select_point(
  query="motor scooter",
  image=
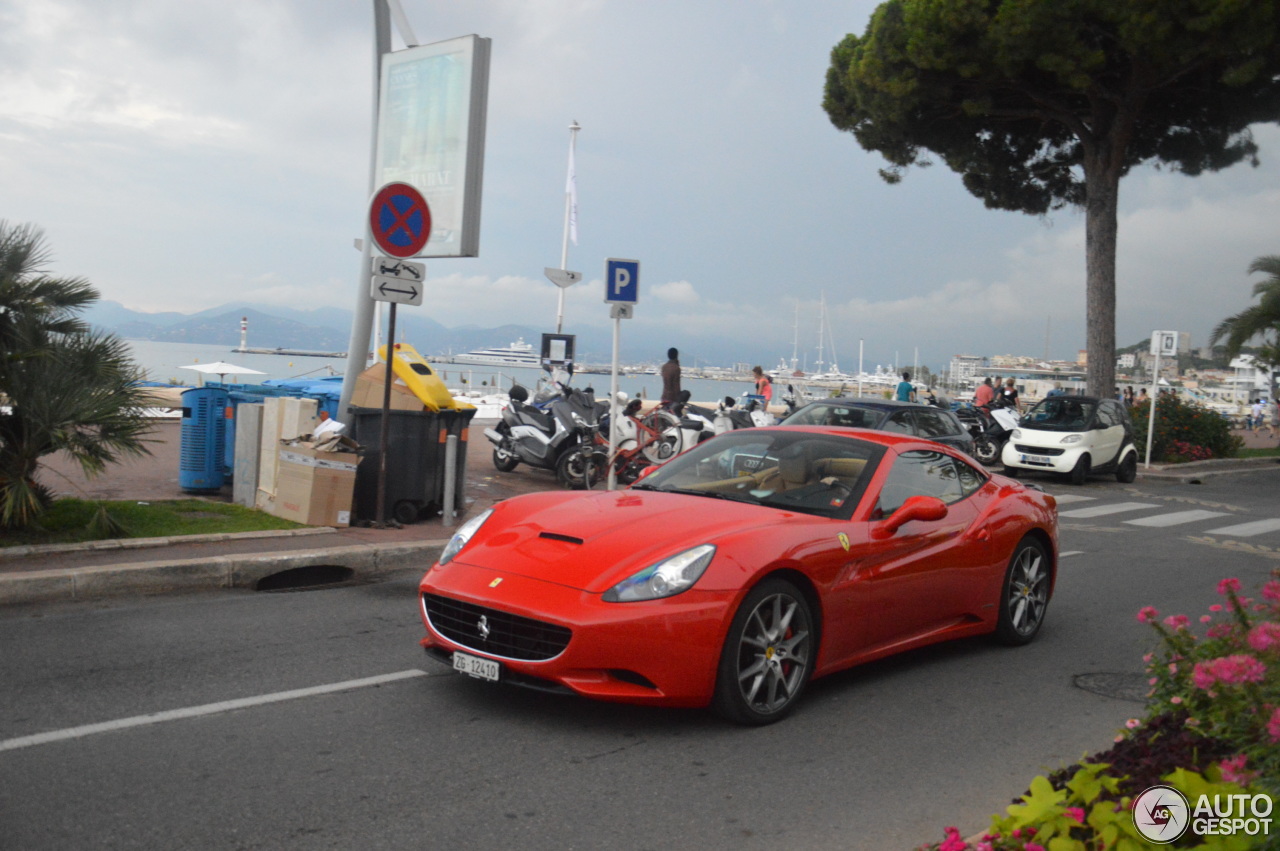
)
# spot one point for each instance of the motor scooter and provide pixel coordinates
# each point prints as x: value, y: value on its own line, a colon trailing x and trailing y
x: 990, y: 428
x: 561, y: 438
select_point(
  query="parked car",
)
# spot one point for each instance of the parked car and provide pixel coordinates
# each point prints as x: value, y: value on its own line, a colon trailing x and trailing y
x: 1074, y: 436
x: 924, y: 421
x: 696, y: 588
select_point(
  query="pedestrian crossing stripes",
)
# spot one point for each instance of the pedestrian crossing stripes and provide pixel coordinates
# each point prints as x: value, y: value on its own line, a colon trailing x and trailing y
x: 1248, y: 530
x: 1103, y: 510
x: 1176, y: 518
x: 1152, y: 517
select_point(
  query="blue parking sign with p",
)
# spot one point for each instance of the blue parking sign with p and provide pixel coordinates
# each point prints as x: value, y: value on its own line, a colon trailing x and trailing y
x: 621, y: 281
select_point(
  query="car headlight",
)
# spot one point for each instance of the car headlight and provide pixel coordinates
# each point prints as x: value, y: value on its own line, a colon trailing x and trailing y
x: 464, y: 533
x: 1071, y: 438
x: 1016, y: 434
x: 664, y: 579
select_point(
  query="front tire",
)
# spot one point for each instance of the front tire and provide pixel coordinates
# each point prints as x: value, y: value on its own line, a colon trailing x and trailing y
x: 986, y: 450
x: 505, y: 461
x: 1128, y: 469
x: 1080, y: 472
x: 574, y: 467
x: 665, y: 447
x: 768, y: 655
x: 1025, y: 595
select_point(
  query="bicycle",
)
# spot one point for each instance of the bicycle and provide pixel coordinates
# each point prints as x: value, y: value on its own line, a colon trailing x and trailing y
x: 651, y: 439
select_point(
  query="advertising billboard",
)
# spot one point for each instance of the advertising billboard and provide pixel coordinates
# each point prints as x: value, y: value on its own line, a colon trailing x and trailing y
x: 431, y: 129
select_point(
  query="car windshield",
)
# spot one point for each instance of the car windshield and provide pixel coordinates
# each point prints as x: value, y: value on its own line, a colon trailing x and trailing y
x: 825, y: 413
x: 1060, y: 413
x: 799, y: 471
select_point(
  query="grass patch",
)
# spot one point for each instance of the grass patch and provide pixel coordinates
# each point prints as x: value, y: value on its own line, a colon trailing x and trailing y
x: 73, y: 521
x: 1270, y: 452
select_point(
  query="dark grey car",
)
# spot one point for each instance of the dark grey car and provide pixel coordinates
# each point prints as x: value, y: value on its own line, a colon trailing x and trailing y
x: 884, y: 415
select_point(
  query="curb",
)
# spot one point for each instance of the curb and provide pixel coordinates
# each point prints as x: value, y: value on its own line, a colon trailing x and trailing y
x: 207, y: 574
x: 13, y: 553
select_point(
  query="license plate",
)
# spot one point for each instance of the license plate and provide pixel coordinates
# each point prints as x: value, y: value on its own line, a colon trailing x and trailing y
x: 474, y: 666
x: 1037, y: 459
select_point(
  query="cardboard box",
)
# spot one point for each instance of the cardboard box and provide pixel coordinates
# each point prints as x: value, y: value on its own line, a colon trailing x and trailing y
x: 370, y: 386
x: 283, y: 418
x: 313, y: 486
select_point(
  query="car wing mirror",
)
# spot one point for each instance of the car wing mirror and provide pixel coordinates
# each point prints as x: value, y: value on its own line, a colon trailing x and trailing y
x: 915, y: 508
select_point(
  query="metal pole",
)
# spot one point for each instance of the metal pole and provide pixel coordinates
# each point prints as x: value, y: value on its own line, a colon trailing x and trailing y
x: 450, y: 477
x: 384, y: 434
x: 613, y: 408
x: 568, y: 201
x: 358, y: 343
x: 1151, y: 415
x: 859, y: 367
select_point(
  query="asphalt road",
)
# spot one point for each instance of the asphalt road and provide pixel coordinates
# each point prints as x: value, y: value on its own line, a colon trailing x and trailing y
x: 881, y: 757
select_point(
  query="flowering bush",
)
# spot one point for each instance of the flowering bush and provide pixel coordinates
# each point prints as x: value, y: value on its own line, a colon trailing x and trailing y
x: 1212, y: 727
x: 1184, y: 431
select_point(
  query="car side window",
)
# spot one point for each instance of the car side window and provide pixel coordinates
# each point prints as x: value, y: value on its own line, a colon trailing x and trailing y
x: 932, y: 424
x: 922, y: 473
x: 900, y: 423
x: 1106, y: 416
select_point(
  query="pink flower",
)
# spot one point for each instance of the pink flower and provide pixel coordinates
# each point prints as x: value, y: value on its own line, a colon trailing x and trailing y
x: 1216, y: 607
x: 1176, y: 699
x: 1147, y: 657
x: 953, y: 842
x: 1233, y: 770
x: 1273, y: 726
x: 1076, y: 813
x: 1221, y: 630
x: 1205, y: 619
x: 1231, y: 584
x: 1229, y: 670
x: 1132, y: 723
x: 1033, y: 846
x: 1264, y: 636
x: 1173, y: 667
x: 1147, y: 614
x: 1176, y: 622
x: 1271, y: 591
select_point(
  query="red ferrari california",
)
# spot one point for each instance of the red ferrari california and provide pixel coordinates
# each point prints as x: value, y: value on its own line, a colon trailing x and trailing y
x: 738, y: 571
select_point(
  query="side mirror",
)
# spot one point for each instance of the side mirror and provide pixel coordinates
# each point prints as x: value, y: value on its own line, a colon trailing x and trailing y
x: 915, y: 508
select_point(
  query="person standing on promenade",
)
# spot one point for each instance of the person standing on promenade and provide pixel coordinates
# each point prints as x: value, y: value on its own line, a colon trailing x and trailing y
x: 1009, y: 395
x: 906, y: 390
x: 764, y: 384
x: 1256, y: 415
x: 984, y: 394
x: 671, y: 378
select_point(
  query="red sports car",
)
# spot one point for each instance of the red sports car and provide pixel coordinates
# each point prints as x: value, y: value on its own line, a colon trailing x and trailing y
x: 739, y: 570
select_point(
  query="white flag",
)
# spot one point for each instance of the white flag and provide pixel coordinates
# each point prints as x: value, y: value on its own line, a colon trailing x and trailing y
x: 571, y: 188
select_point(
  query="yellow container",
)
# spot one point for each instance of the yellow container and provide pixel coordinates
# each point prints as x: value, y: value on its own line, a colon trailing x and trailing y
x: 413, y: 369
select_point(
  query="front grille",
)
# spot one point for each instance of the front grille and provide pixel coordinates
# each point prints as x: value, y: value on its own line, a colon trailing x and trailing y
x: 1037, y: 450
x: 509, y: 635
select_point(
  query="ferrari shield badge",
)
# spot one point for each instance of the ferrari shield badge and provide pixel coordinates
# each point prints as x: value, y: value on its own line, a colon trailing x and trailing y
x: 844, y: 541
x: 495, y: 583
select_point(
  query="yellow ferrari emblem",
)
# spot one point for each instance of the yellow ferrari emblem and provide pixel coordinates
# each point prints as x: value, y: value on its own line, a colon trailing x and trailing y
x: 844, y: 541
x: 495, y: 583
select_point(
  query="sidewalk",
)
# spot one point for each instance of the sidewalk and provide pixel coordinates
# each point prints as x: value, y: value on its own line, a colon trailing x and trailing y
x: 207, y: 562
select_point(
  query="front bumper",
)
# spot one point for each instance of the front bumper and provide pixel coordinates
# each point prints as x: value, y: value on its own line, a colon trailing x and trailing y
x: 662, y: 652
x: 1031, y: 454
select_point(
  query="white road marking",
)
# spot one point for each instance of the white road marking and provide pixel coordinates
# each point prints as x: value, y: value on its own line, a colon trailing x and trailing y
x: 1176, y: 517
x: 1072, y: 497
x: 197, y: 711
x: 1071, y: 553
x: 1248, y: 530
x: 1100, y: 510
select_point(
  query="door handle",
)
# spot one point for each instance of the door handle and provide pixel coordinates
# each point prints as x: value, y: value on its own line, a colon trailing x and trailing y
x: 983, y: 535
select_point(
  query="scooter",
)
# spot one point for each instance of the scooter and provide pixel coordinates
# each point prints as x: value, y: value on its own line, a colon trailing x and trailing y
x: 990, y: 428
x: 561, y: 438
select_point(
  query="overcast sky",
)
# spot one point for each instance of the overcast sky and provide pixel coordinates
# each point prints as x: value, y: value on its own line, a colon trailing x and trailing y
x: 183, y: 155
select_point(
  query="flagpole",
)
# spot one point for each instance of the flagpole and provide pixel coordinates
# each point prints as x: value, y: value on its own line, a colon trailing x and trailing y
x: 570, y: 218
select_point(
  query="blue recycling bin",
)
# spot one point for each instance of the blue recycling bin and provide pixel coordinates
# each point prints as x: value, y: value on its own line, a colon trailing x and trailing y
x: 204, y: 435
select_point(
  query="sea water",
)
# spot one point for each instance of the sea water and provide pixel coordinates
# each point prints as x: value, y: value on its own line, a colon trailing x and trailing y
x: 164, y: 362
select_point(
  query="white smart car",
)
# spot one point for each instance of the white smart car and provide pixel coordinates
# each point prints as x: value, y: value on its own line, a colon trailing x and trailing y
x: 1073, y: 435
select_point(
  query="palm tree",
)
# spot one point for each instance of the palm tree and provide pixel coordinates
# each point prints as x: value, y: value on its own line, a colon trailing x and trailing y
x: 63, y: 386
x: 1259, y: 320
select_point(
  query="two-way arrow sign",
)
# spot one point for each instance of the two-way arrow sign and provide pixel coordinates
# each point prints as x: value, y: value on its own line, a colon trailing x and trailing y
x: 397, y: 280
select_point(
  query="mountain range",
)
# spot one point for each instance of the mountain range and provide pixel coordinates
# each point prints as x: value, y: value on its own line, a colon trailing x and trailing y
x: 328, y: 329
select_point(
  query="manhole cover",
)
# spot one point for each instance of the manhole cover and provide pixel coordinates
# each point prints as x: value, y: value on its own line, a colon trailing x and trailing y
x: 1120, y: 686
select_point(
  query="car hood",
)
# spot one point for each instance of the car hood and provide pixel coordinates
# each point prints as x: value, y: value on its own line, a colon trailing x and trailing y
x: 591, y: 542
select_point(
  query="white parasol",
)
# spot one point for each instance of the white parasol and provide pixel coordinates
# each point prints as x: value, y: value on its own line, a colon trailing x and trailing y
x: 221, y: 368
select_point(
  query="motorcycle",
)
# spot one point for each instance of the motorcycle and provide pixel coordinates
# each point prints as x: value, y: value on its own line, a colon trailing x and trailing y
x: 559, y: 433
x: 990, y: 428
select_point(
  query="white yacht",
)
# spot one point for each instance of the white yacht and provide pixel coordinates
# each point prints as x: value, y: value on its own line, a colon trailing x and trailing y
x: 518, y: 353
